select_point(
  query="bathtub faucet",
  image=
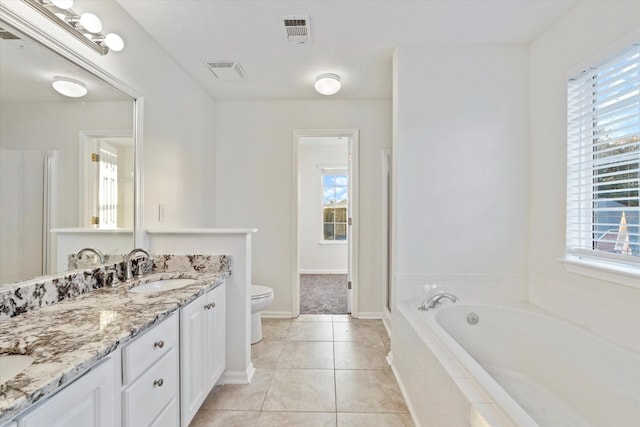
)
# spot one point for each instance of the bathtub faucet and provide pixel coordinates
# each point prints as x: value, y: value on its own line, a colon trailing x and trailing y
x: 435, y: 300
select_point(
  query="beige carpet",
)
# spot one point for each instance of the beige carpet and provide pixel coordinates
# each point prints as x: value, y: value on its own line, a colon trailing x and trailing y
x: 323, y: 294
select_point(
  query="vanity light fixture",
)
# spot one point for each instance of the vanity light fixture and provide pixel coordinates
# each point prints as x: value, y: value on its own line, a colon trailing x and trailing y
x: 328, y: 84
x: 90, y: 22
x: 85, y: 27
x: 114, y: 42
x: 69, y: 87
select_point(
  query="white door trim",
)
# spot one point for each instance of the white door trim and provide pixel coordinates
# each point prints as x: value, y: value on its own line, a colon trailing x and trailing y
x: 353, y: 135
x: 85, y: 148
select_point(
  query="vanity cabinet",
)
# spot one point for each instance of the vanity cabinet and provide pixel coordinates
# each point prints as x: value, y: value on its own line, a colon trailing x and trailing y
x: 87, y: 402
x: 150, y: 379
x: 202, y: 349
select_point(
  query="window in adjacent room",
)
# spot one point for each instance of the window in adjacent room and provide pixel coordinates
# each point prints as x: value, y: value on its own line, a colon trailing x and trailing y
x: 334, y: 205
x: 603, y: 161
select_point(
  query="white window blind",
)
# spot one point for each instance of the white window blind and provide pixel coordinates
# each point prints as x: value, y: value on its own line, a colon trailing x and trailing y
x: 603, y: 161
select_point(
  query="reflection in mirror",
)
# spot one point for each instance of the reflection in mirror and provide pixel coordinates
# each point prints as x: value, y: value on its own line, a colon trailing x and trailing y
x: 66, y: 163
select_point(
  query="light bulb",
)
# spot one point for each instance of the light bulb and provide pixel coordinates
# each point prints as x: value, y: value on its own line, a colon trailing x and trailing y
x: 90, y: 22
x: 114, y: 42
x: 328, y: 84
x: 62, y: 4
x: 69, y: 87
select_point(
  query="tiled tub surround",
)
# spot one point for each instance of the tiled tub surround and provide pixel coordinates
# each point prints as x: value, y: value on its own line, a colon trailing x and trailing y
x: 70, y: 336
x: 22, y: 297
x: 517, y: 366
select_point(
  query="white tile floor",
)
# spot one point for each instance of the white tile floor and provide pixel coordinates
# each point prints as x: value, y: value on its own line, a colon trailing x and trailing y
x: 317, y: 370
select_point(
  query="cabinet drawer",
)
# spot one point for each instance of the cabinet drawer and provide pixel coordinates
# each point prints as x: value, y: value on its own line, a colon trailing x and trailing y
x: 149, y: 347
x: 149, y: 395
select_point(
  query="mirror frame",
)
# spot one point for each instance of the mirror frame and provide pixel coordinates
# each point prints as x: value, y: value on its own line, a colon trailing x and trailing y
x: 41, y: 36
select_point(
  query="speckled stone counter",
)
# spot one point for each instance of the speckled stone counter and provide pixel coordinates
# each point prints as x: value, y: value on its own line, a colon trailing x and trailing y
x: 70, y: 336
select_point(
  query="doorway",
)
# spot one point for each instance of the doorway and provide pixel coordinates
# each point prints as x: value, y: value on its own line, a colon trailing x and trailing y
x: 325, y: 226
x: 107, y: 179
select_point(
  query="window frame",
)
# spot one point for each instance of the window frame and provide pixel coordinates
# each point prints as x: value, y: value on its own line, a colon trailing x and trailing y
x: 341, y: 171
x: 584, y: 210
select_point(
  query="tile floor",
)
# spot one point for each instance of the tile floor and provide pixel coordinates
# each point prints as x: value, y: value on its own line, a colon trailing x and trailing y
x: 317, y: 370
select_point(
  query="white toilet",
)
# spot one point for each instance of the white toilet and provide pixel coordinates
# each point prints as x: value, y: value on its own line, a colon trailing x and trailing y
x: 261, y: 297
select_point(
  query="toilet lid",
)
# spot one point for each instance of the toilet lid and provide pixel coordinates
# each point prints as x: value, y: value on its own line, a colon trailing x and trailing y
x: 258, y: 291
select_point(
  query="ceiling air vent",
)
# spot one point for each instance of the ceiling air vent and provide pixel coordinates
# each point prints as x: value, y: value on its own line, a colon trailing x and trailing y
x: 227, y: 70
x: 297, y: 29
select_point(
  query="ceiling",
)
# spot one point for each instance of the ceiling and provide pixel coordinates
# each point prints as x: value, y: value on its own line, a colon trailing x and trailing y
x: 27, y: 70
x: 353, y: 38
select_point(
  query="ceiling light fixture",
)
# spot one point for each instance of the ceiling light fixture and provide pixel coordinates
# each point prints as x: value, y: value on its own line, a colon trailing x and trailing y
x: 85, y: 27
x: 328, y: 84
x: 69, y: 87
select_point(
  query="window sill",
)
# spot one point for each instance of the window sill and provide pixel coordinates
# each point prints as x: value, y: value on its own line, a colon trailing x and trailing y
x: 332, y: 243
x: 623, y: 275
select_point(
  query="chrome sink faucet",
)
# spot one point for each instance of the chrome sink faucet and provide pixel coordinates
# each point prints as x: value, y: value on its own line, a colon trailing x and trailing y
x: 96, y: 252
x: 128, y: 260
x: 436, y: 299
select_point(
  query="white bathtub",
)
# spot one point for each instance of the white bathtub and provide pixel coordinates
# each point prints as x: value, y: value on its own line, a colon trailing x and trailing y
x: 524, y: 364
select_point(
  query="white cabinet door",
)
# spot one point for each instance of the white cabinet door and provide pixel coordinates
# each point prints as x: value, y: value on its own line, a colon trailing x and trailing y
x: 87, y: 402
x: 216, y: 356
x: 193, y: 340
x: 202, y: 350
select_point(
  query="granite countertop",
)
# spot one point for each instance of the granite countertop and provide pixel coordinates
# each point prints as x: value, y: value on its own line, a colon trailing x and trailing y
x: 69, y: 337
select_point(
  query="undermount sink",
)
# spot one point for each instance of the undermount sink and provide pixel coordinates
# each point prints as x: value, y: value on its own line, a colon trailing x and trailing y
x: 12, y: 365
x: 161, y: 285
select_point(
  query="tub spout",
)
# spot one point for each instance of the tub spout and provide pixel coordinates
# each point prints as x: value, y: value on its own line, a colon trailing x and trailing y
x: 435, y: 300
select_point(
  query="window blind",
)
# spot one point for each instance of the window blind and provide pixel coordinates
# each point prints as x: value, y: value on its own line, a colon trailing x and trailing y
x: 603, y: 160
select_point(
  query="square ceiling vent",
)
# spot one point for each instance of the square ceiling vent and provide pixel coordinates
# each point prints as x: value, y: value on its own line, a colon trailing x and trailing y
x: 227, y: 70
x: 297, y: 29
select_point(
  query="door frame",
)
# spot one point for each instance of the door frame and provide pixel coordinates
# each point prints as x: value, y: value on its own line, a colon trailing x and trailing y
x: 353, y: 163
x: 85, y: 148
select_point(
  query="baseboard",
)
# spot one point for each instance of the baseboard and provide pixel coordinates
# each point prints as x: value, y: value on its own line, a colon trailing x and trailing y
x: 372, y: 315
x: 276, y: 315
x: 386, y: 320
x: 312, y: 271
x: 238, y: 377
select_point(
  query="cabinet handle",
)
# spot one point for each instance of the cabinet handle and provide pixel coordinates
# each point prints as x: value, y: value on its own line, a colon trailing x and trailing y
x: 210, y: 306
x: 158, y: 344
x: 158, y: 382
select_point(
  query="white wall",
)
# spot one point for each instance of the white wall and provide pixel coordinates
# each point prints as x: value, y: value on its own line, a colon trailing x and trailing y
x: 460, y: 145
x: 590, y: 33
x: 316, y: 258
x: 56, y: 126
x: 254, y: 184
x: 178, y: 117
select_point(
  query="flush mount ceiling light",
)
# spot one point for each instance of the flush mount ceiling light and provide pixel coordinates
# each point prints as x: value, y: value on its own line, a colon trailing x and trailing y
x: 69, y: 87
x: 328, y: 84
x: 85, y: 27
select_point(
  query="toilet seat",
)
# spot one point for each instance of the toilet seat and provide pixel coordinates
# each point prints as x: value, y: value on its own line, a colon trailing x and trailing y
x: 258, y: 292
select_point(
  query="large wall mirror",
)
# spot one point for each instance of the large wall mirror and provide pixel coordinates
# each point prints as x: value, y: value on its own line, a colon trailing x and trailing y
x: 68, y: 176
